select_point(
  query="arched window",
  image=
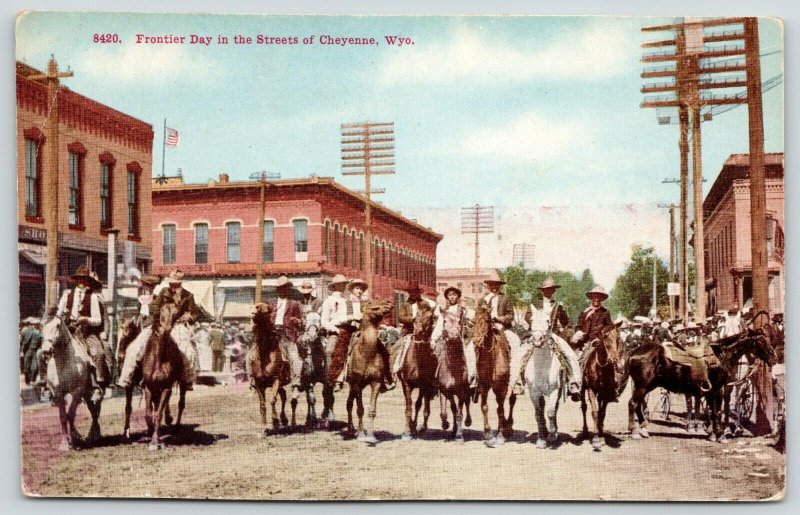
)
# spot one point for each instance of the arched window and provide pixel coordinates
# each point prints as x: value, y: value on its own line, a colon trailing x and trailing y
x: 326, y: 241
x: 345, y: 246
x: 335, y: 244
x: 234, y: 241
x: 353, y: 254
x: 361, y: 251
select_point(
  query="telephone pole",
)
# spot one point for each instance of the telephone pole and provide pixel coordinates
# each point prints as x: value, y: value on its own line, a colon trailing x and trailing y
x: 262, y: 177
x: 477, y: 220
x: 672, y: 263
x: 368, y: 149
x: 522, y: 255
x: 51, y: 201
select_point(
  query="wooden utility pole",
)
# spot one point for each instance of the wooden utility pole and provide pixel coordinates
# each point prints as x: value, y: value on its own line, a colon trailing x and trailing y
x: 522, y: 254
x: 368, y: 149
x: 51, y: 200
x: 477, y: 220
x: 262, y: 177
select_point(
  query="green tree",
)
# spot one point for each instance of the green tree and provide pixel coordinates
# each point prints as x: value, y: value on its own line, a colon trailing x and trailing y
x: 522, y: 287
x: 633, y: 290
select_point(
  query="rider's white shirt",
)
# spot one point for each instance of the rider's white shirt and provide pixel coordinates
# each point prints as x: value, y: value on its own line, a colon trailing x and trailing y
x: 95, y: 317
x: 280, y: 313
x: 334, y: 312
x: 491, y: 300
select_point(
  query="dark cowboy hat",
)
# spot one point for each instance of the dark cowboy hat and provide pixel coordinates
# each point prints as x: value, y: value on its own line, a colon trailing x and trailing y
x: 150, y: 280
x: 413, y: 287
x: 94, y: 282
x: 597, y: 290
x: 453, y: 289
x: 82, y: 274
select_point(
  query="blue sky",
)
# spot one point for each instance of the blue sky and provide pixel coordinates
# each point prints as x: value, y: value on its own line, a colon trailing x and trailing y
x: 518, y: 112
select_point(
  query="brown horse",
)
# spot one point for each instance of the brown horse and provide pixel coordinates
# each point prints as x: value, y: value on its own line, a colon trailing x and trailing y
x: 492, y: 363
x: 453, y: 384
x: 419, y: 371
x: 162, y: 367
x: 369, y: 364
x: 602, y: 379
x: 129, y: 331
x: 266, y: 366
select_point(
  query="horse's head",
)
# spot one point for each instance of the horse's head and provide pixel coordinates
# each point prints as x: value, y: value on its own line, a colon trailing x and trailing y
x: 611, y: 343
x: 166, y: 318
x: 375, y: 310
x: 540, y: 323
x: 423, y: 323
x: 54, y: 336
x: 762, y: 348
x: 261, y: 314
x: 313, y: 322
x: 482, y: 330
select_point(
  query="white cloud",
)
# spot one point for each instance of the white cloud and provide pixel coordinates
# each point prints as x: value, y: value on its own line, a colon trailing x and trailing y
x: 590, y: 54
x: 139, y: 63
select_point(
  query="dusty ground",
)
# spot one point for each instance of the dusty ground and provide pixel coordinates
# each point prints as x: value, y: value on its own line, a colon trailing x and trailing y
x: 221, y: 454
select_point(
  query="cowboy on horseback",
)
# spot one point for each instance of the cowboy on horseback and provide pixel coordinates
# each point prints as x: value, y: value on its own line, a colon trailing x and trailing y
x: 502, y: 316
x: 81, y: 307
x: 287, y: 320
x: 406, y: 316
x: 591, y: 323
x: 187, y: 313
x: 452, y: 325
x: 558, y: 321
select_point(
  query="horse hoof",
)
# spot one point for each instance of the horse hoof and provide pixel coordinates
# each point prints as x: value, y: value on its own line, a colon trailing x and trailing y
x: 421, y: 431
x: 552, y: 439
x: 491, y: 442
x: 65, y: 446
x: 361, y: 437
x: 500, y: 439
x: 445, y: 425
x: 468, y: 421
x: 712, y: 437
x: 596, y: 443
x: 644, y: 433
x: 541, y: 444
x: 370, y: 439
x: 459, y: 439
x: 154, y: 446
x: 168, y: 421
x: 285, y: 421
x: 276, y: 423
x: 635, y: 435
x: 723, y: 439
x: 406, y: 437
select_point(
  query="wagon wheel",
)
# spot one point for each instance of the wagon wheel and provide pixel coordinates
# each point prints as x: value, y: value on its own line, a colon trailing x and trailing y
x: 663, y: 405
x: 743, y: 390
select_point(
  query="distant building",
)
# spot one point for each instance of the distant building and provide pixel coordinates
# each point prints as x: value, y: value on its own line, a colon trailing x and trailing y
x: 726, y: 211
x: 465, y: 279
x: 314, y: 229
x: 104, y: 164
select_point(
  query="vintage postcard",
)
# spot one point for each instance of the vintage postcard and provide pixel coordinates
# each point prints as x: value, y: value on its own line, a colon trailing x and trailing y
x: 356, y: 257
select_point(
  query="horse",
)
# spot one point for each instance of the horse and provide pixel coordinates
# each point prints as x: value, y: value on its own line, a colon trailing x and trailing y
x: 368, y: 365
x: 602, y: 379
x: 418, y: 370
x: 543, y: 374
x: 266, y: 366
x: 162, y: 367
x: 649, y: 368
x: 453, y: 382
x: 492, y: 364
x: 66, y: 362
x: 315, y: 359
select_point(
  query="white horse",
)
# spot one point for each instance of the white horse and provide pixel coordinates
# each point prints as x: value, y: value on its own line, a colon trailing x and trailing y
x: 66, y: 361
x: 543, y: 375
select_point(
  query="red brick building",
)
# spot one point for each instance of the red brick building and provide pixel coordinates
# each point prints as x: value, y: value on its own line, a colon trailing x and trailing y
x: 314, y: 228
x: 104, y: 167
x: 726, y: 211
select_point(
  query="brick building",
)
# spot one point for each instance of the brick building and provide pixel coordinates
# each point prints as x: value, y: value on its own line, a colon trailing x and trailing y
x: 314, y: 228
x: 104, y: 167
x: 726, y: 211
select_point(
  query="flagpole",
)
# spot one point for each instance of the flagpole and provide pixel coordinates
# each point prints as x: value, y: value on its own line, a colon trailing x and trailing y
x: 163, y: 146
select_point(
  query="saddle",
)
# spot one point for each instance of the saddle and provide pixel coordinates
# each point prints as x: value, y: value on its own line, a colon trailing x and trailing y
x: 697, y: 356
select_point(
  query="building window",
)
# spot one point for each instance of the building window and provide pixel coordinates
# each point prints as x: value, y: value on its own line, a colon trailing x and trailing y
x: 353, y: 255
x: 383, y: 258
x: 345, y: 246
x: 75, y: 194
x: 301, y: 235
x: 375, y: 258
x: 335, y: 244
x: 105, y: 195
x: 133, y: 199
x: 168, y: 243
x: 201, y: 244
x: 361, y: 252
x: 33, y: 181
x: 391, y: 268
x: 269, y: 241
x: 234, y: 241
x: 326, y: 241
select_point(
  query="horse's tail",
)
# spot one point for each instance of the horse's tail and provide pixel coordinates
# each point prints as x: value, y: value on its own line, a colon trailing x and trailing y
x: 624, y: 375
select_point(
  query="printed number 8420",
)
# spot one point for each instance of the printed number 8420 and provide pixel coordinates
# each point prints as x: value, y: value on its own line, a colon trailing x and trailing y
x: 106, y: 38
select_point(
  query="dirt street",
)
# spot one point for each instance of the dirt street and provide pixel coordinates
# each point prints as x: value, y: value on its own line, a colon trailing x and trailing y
x: 221, y: 454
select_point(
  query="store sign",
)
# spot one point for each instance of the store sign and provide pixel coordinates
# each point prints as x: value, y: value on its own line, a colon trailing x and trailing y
x: 32, y: 234
x: 673, y: 289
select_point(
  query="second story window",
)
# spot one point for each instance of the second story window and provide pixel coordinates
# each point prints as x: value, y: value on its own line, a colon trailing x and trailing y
x: 327, y: 243
x: 168, y: 244
x: 133, y: 199
x: 301, y: 236
x: 75, y: 193
x: 335, y: 244
x: 33, y: 181
x: 269, y: 241
x: 201, y: 243
x: 105, y: 195
x: 234, y: 241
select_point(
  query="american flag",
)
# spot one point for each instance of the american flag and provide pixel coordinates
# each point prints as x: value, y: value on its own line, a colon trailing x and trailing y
x: 171, y: 139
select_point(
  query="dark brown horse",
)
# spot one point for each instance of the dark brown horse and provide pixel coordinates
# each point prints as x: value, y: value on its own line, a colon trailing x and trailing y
x: 649, y: 368
x: 492, y: 363
x: 418, y: 371
x: 128, y: 332
x: 162, y: 367
x: 266, y: 367
x: 453, y: 384
x: 602, y: 380
x: 368, y: 365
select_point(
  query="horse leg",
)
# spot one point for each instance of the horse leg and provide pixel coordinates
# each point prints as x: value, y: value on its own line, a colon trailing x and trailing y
x: 487, y: 431
x: 585, y: 430
x: 126, y: 431
x: 537, y: 399
x: 282, y: 394
x: 602, y: 405
x: 426, y: 412
x: 148, y: 410
x: 311, y: 400
x: 500, y: 397
x: 75, y: 437
x: 373, y: 412
x: 552, y: 422
x: 417, y: 406
x: 66, y: 441
x: 443, y: 411
x: 276, y: 423
x: 457, y: 405
x: 163, y: 400
x: 351, y: 397
x: 596, y: 442
x: 181, y: 405
x: 295, y: 396
x: 635, y: 415
x: 262, y: 405
x: 360, y: 413
x: 327, y: 403
x: 465, y: 406
x: 94, y: 411
x: 407, y: 434
x: 508, y: 428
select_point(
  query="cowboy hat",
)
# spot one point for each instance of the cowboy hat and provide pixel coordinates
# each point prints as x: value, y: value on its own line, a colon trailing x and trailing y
x: 549, y: 283
x: 357, y: 282
x: 453, y: 289
x: 307, y: 286
x: 337, y: 279
x: 413, y: 287
x: 81, y: 274
x: 150, y: 280
x: 94, y: 281
x: 176, y: 276
x: 283, y: 282
x: 597, y: 290
x: 494, y: 277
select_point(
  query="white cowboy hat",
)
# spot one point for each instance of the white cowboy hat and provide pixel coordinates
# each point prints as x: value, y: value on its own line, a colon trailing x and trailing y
x: 307, y: 286
x: 549, y: 283
x: 597, y: 290
x: 494, y: 277
x: 82, y: 273
x: 283, y: 282
x: 357, y: 282
x: 337, y: 279
x: 175, y: 276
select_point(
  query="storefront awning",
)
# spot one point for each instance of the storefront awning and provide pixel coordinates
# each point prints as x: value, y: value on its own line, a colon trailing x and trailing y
x: 36, y: 254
